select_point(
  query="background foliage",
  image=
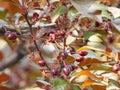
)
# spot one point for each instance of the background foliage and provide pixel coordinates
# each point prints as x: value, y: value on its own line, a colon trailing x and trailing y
x: 60, y: 44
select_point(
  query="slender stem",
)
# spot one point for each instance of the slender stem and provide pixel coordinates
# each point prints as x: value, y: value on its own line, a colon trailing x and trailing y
x: 48, y: 2
x: 64, y: 38
x: 30, y: 26
x: 34, y: 40
x: 62, y: 63
x: 64, y: 41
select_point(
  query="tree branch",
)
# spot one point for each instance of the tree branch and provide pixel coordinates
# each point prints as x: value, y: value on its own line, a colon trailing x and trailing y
x: 35, y: 43
x: 24, y: 26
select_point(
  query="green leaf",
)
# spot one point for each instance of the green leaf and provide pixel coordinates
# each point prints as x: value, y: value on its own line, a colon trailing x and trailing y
x: 106, y: 14
x: 72, y: 13
x: 59, y: 84
x: 58, y: 11
x: 2, y: 13
x: 100, y: 6
x: 87, y: 34
x: 75, y: 87
x: 89, y: 88
x: 114, y: 82
x: 2, y: 22
x: 41, y: 80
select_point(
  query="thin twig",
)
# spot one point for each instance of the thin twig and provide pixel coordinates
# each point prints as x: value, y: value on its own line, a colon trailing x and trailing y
x: 35, y: 43
x: 48, y: 2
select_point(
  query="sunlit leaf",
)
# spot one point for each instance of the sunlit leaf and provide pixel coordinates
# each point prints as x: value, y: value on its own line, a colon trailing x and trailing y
x: 72, y: 13
x: 88, y: 83
x: 95, y: 44
x: 90, y: 61
x: 115, y: 11
x: 97, y: 6
x: 3, y: 77
x: 49, y: 50
x: 84, y: 72
x: 95, y: 38
x: 58, y: 11
x: 106, y: 14
x: 81, y: 79
x: 70, y: 39
x: 92, y: 48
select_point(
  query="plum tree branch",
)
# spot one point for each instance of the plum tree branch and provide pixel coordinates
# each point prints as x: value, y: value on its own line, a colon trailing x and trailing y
x: 35, y: 43
x: 24, y: 26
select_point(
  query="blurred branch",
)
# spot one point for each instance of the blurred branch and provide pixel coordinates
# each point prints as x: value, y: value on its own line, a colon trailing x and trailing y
x: 34, y: 41
x: 8, y: 63
x: 15, y: 57
x: 24, y: 26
